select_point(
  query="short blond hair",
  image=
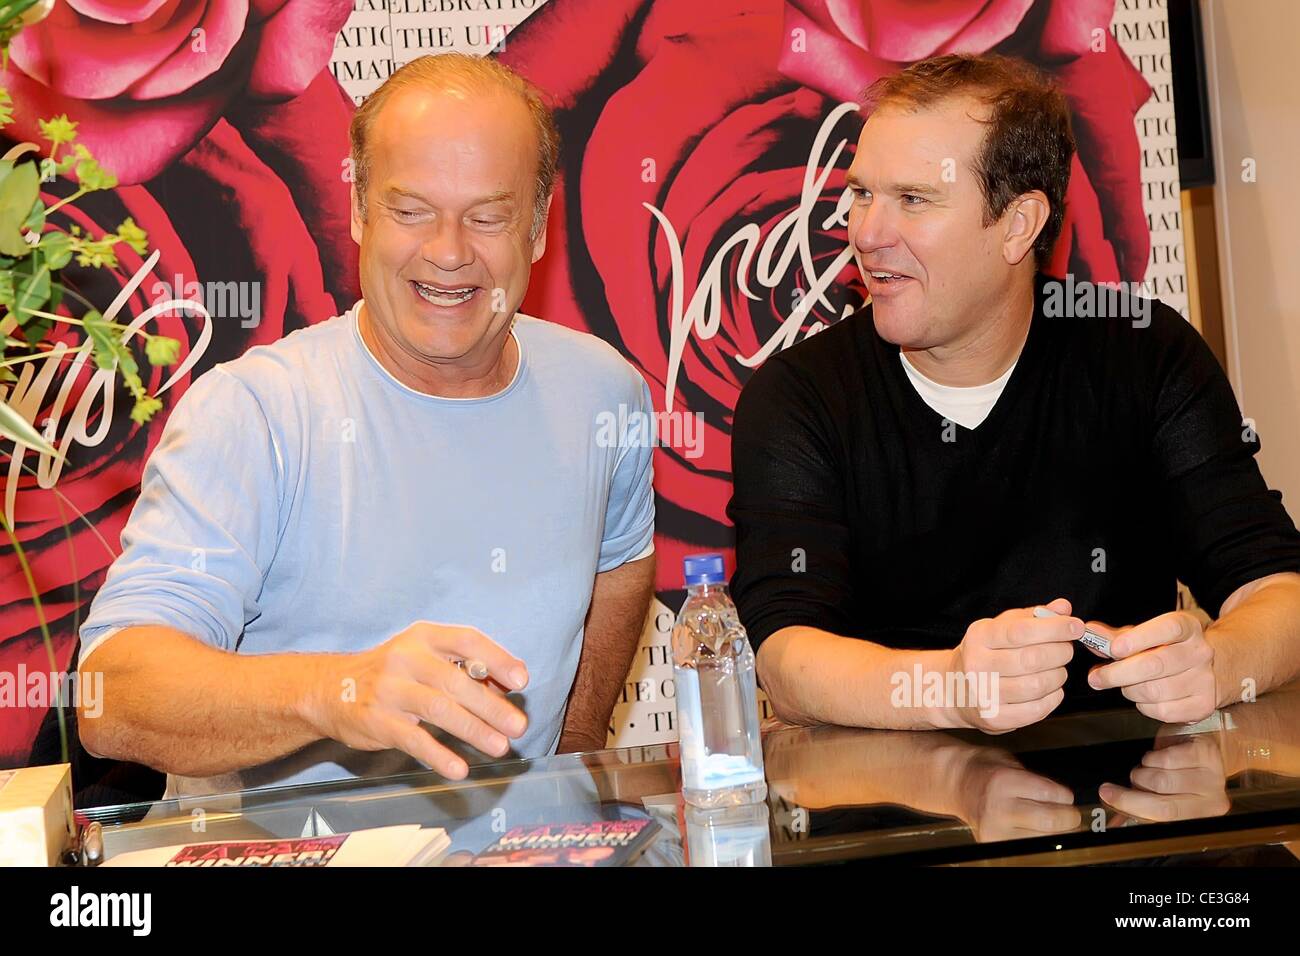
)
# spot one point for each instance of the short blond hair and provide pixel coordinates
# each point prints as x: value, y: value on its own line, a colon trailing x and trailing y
x: 470, y: 74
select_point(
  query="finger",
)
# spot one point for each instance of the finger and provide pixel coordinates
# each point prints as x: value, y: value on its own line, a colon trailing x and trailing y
x: 1037, y: 658
x: 1186, y: 711
x: 492, y: 706
x: 1029, y: 687
x: 1150, y: 665
x: 411, y: 738
x: 1159, y: 807
x: 1166, y: 688
x: 1179, y: 753
x: 1198, y: 780
x: 1012, y: 716
x: 1041, y: 817
x: 1034, y: 787
x: 441, y: 709
x: 1170, y: 628
x: 469, y: 643
x: 480, y: 697
x: 1022, y: 629
x: 1059, y: 605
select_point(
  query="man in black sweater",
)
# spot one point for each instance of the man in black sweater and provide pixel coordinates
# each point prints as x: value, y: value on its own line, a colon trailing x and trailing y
x: 916, y: 484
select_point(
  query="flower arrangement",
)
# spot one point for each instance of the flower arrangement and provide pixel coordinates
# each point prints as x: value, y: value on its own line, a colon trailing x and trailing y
x: 38, y: 310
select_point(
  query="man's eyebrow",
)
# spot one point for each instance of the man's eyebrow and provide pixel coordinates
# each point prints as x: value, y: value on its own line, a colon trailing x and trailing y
x: 918, y: 189
x: 505, y: 196
x: 851, y: 180
x: 398, y: 191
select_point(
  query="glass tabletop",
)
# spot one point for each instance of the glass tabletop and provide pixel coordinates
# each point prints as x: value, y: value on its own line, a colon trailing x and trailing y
x: 1086, y: 788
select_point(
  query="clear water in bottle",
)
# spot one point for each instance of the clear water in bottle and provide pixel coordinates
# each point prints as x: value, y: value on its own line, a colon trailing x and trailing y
x: 717, y: 694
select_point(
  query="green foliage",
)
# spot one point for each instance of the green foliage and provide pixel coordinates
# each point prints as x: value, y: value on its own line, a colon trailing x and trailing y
x: 58, y: 131
x: 20, y: 188
x: 33, y: 251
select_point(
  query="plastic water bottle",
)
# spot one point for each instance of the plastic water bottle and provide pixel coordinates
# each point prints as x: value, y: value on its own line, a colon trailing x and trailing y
x: 730, y: 836
x: 717, y: 695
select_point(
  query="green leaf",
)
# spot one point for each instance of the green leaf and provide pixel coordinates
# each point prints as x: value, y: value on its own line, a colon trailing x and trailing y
x: 36, y: 219
x: 57, y: 247
x: 107, y: 345
x: 32, y: 291
x: 103, y: 340
x: 19, y: 191
x: 161, y: 350
x: 16, y: 428
x: 58, y: 130
x: 6, y: 107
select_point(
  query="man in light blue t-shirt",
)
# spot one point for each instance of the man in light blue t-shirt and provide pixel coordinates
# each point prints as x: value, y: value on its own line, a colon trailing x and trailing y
x: 337, y: 528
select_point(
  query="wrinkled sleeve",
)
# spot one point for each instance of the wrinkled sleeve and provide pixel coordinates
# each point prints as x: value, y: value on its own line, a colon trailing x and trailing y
x: 630, y: 510
x: 1228, y: 527
x: 204, y: 529
x: 792, y: 535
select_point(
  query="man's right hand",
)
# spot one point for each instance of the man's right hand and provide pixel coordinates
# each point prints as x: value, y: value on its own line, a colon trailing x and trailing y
x: 376, y: 699
x: 1028, y: 654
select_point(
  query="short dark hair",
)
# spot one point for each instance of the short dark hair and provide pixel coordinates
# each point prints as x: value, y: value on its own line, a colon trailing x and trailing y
x: 1029, y: 143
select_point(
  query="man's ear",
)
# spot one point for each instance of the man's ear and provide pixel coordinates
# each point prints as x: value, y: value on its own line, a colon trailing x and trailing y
x: 539, y: 243
x: 355, y: 216
x: 1024, y: 219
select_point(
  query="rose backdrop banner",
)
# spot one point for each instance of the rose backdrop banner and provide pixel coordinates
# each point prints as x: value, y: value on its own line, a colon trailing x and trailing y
x: 698, y: 223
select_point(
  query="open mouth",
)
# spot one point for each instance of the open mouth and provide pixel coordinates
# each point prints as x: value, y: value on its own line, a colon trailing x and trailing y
x: 881, y: 283
x: 445, y: 296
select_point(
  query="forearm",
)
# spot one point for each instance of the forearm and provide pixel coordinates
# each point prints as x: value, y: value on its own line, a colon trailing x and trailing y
x: 1256, y: 640
x: 178, y: 705
x: 814, y: 677
x: 613, y: 629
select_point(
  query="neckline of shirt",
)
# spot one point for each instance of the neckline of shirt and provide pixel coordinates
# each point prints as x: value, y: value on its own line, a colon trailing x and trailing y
x: 1015, y: 375
x: 520, y: 367
x: 958, y: 394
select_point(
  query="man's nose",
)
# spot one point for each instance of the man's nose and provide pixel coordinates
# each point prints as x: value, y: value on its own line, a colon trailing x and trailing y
x: 872, y: 228
x: 446, y: 246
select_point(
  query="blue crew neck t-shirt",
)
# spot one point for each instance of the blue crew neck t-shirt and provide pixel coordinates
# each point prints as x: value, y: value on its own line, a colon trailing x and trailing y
x: 302, y: 499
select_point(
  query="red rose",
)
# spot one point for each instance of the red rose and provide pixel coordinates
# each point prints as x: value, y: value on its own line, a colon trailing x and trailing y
x: 146, y: 79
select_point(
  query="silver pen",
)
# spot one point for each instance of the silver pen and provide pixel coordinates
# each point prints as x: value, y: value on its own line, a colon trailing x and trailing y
x: 1089, y: 639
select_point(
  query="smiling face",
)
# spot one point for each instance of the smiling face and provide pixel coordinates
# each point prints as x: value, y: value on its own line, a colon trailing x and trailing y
x: 934, y: 270
x: 445, y: 241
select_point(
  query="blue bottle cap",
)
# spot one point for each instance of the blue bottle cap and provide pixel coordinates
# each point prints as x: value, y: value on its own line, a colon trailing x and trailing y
x: 704, y: 569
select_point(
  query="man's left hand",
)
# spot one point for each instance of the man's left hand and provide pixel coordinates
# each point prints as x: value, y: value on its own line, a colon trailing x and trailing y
x: 1164, y: 665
